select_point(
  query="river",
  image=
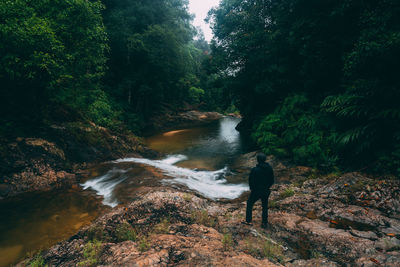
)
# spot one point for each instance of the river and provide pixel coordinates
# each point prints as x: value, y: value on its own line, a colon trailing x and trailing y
x: 197, y: 159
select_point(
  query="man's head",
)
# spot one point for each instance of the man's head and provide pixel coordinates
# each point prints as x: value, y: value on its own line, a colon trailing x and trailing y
x: 261, y: 158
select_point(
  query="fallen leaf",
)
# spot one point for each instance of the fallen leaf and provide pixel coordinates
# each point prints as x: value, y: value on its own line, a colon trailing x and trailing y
x: 374, y: 261
x: 391, y: 234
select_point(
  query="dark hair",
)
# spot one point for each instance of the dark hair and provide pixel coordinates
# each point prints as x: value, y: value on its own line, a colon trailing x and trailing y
x: 261, y: 157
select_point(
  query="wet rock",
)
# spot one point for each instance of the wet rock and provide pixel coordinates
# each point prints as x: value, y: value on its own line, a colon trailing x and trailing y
x: 170, y: 120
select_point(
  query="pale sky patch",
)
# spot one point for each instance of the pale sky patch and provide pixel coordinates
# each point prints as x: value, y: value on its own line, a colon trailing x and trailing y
x: 200, y: 8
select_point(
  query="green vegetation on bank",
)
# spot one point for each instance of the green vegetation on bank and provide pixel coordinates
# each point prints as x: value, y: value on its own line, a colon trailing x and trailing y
x: 316, y: 81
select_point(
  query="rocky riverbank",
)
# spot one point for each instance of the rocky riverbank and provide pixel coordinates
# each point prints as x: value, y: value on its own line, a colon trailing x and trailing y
x: 55, y: 158
x: 315, y: 220
x: 170, y: 120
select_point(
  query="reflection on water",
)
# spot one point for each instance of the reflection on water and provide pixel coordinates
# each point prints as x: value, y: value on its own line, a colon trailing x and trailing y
x: 211, y: 147
x: 36, y: 221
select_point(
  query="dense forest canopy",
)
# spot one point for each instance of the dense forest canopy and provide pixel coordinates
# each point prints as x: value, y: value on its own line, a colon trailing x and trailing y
x: 316, y: 81
x: 51, y: 52
x: 113, y: 62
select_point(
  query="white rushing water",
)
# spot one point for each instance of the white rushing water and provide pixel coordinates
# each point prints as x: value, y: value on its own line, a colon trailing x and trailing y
x: 104, y: 185
x: 211, y: 184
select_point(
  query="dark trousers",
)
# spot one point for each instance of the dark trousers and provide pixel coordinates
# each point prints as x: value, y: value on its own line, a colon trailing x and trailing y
x: 254, y: 196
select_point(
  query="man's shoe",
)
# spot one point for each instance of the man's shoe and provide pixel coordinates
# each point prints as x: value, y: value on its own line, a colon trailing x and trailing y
x: 247, y: 223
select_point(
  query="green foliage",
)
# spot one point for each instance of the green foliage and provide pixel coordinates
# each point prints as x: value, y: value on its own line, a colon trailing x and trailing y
x: 97, y: 233
x: 264, y: 249
x: 153, y: 58
x: 143, y: 244
x: 38, y: 261
x: 50, y: 53
x: 272, y: 251
x: 55, y: 53
x: 288, y: 192
x: 202, y: 217
x: 195, y: 95
x: 163, y: 226
x: 125, y: 232
x: 295, y: 130
x: 91, y: 254
x: 227, y: 242
x: 332, y: 64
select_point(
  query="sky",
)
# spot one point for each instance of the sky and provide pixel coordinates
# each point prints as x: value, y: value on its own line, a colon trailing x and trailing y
x: 200, y: 8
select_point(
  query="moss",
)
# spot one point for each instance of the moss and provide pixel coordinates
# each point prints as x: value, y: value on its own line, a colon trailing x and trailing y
x: 91, y: 254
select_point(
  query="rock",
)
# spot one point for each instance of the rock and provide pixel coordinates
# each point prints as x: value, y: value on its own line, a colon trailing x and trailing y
x: 4, y: 190
x: 367, y: 235
x: 190, y: 241
x: 170, y: 120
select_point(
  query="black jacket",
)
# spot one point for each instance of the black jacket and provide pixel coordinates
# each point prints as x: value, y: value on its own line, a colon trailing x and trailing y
x: 261, y: 178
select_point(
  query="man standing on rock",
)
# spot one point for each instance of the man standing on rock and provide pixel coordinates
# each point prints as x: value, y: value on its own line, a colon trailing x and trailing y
x: 261, y: 178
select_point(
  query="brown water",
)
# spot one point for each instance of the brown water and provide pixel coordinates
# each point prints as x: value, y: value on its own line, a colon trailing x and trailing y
x: 36, y: 221
x: 198, y: 158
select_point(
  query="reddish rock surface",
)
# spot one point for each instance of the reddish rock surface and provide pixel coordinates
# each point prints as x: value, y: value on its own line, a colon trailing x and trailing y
x: 315, y: 220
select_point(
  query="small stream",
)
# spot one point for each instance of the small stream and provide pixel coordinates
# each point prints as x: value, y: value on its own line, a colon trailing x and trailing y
x: 197, y: 159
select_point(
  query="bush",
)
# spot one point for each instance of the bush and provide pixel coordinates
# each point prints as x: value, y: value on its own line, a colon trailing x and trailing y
x: 144, y: 244
x: 163, y: 226
x: 38, y: 261
x: 297, y: 131
x: 287, y: 193
x: 272, y: 251
x: 195, y: 95
x: 97, y: 233
x: 202, y: 217
x: 91, y: 253
x: 125, y: 232
x: 227, y: 242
